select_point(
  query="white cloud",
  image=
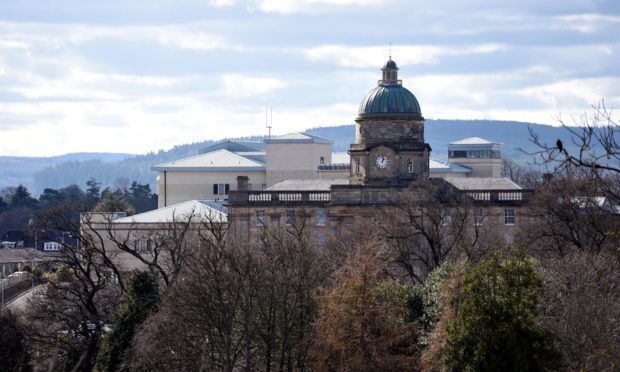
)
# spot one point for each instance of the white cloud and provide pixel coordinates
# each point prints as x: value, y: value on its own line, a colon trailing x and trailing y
x: 313, y: 6
x: 238, y: 85
x: 363, y: 57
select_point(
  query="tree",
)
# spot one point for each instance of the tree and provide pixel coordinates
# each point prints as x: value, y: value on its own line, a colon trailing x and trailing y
x: 570, y: 213
x: 496, y: 326
x: 93, y: 191
x: 430, y: 223
x: 13, y: 352
x: 141, y: 198
x: 596, y: 138
x: 581, y: 306
x: 114, y: 201
x: 20, y: 197
x: 362, y: 318
x: 140, y: 300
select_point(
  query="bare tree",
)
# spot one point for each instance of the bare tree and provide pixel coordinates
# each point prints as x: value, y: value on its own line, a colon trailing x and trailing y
x: 429, y: 223
x: 569, y: 214
x: 597, y: 139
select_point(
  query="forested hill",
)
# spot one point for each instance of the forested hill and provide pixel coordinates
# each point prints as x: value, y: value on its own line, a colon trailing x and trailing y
x: 110, y: 169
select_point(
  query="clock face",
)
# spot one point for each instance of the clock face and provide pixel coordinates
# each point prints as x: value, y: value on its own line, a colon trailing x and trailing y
x: 382, y: 161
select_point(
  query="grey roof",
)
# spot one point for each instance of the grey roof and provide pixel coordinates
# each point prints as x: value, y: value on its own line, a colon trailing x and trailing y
x: 307, y: 185
x: 440, y: 166
x: 199, y: 210
x: 298, y: 138
x: 223, y: 160
x: 479, y: 183
x: 234, y: 146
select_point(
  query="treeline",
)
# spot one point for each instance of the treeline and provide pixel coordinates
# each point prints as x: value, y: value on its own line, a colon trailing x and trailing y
x: 439, y: 133
x: 409, y: 289
x: 18, y: 207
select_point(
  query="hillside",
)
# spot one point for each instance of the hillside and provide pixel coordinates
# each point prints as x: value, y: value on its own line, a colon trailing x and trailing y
x: 110, y: 169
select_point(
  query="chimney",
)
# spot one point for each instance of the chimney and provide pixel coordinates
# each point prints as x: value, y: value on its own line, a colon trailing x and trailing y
x: 242, y: 183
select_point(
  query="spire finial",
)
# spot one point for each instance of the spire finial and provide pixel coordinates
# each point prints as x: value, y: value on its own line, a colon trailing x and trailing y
x: 390, y: 50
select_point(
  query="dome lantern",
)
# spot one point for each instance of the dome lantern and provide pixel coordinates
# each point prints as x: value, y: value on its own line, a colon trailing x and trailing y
x: 390, y: 97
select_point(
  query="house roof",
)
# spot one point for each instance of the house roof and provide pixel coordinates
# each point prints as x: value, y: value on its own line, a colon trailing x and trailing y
x: 480, y: 183
x: 298, y: 138
x: 472, y: 141
x: 199, y: 210
x: 234, y: 146
x: 438, y: 166
x: 307, y: 185
x: 223, y: 160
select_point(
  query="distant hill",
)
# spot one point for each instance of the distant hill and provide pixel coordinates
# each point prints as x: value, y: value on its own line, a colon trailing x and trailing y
x: 110, y: 169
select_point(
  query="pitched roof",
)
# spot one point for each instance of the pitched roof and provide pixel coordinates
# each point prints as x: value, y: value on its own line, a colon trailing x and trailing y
x: 307, y: 185
x: 223, y: 159
x: 472, y: 141
x: 199, y: 210
x: 298, y: 138
x: 234, y: 146
x: 440, y: 166
x: 480, y: 183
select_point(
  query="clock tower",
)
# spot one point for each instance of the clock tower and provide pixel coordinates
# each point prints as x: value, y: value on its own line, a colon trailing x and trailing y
x: 389, y: 148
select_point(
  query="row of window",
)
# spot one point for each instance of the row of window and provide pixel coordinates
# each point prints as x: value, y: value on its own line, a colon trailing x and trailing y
x: 224, y: 188
x: 509, y: 216
x: 495, y: 154
x: 320, y: 217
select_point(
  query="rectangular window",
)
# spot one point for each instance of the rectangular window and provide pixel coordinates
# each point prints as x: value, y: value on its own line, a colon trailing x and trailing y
x: 321, y: 217
x: 509, y: 216
x: 249, y: 187
x: 410, y: 166
x: 357, y: 167
x: 221, y: 188
x: 322, y: 160
x: 260, y: 217
x: 142, y: 245
x: 290, y: 217
x: 478, y: 217
x: 263, y: 186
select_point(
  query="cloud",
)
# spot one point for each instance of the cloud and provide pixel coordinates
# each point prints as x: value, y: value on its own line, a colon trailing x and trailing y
x: 238, y: 85
x: 363, y: 57
x: 313, y: 6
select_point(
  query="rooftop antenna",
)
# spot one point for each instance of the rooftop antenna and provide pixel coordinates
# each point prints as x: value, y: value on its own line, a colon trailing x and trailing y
x: 268, y: 120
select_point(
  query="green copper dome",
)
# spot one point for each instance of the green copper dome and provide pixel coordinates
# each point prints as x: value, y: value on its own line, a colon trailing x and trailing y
x: 390, y: 97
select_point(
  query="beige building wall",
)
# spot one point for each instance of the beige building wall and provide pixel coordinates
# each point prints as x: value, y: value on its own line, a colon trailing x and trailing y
x: 175, y: 187
x: 480, y: 167
x: 295, y: 160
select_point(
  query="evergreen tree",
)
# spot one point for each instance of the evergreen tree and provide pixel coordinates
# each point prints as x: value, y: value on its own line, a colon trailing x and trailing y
x: 114, y: 201
x: 141, y: 299
x: 20, y: 198
x: 93, y: 190
x: 496, y: 325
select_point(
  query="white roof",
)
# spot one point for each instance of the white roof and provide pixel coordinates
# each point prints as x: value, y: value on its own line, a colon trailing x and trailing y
x: 472, y: 141
x: 310, y: 185
x: 298, y: 138
x: 199, y: 210
x: 215, y: 160
x: 482, y: 183
x: 440, y: 166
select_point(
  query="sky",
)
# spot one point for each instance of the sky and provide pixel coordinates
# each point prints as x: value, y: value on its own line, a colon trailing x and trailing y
x: 143, y: 75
